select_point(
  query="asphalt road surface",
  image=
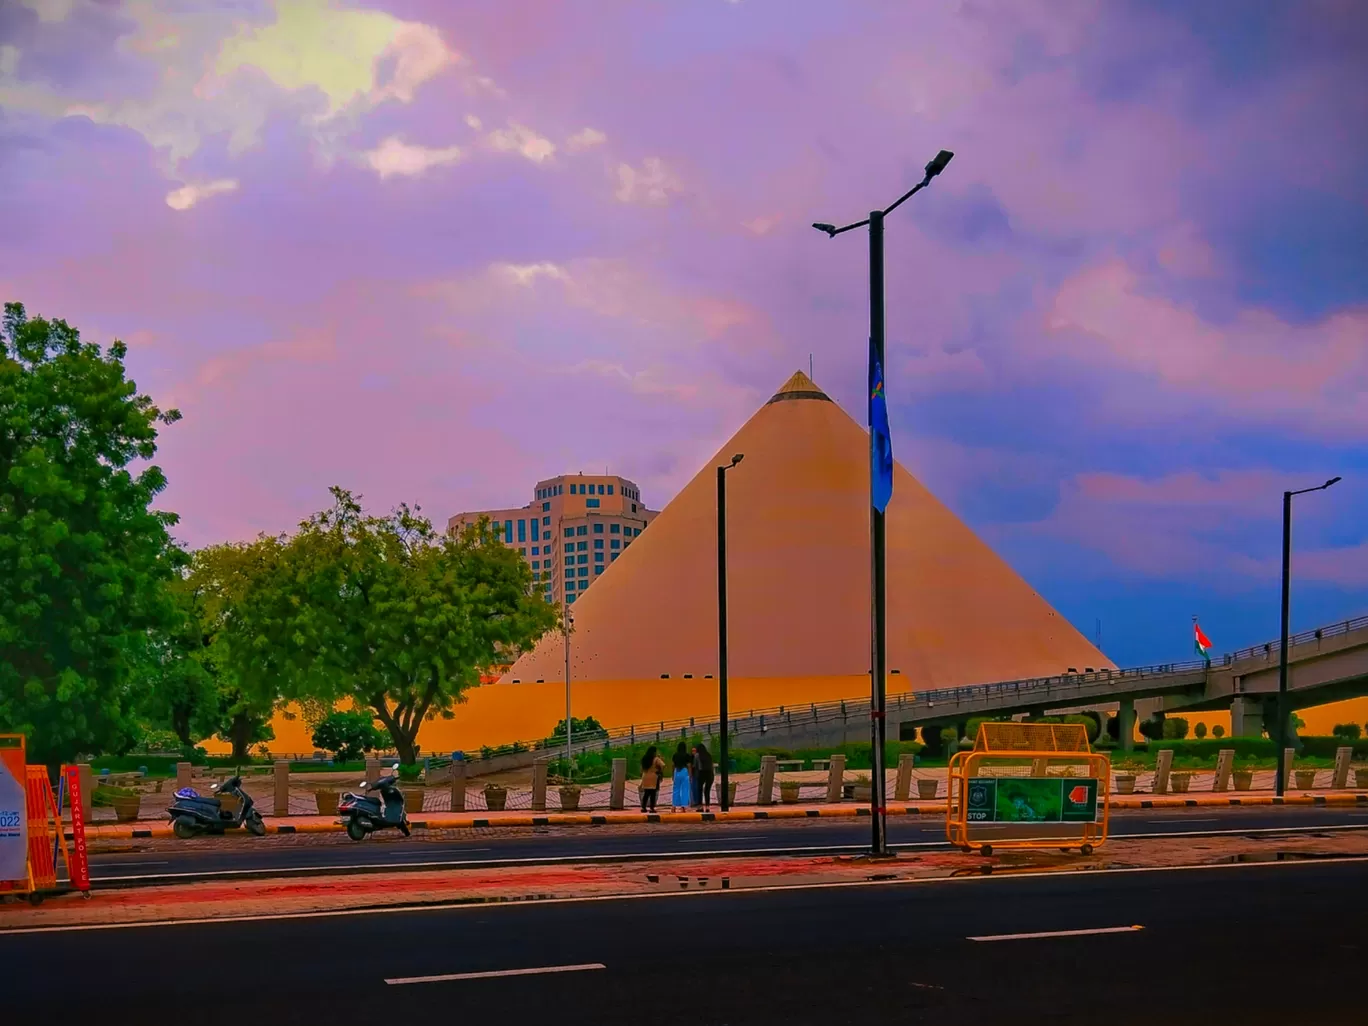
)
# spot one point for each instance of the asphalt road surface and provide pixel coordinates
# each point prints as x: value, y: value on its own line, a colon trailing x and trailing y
x: 1280, y: 943
x: 493, y: 845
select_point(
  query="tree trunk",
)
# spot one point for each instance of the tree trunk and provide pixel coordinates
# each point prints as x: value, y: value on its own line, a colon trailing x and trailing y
x: 241, y: 734
x: 405, y: 740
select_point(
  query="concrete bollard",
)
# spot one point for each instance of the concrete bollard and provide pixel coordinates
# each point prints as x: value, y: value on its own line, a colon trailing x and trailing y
x: 183, y: 771
x: 902, y: 790
x: 87, y: 780
x: 372, y: 771
x: 458, y: 785
x: 1162, y: 765
x: 539, y: 786
x: 835, y: 778
x: 1288, y: 755
x: 1343, y: 755
x: 1037, y: 767
x: 617, y: 797
x: 767, y: 766
x: 282, y: 788
x: 1225, y: 763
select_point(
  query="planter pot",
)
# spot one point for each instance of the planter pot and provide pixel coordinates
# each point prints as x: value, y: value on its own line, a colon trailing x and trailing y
x: 126, y: 808
x: 496, y: 798
x: 1244, y: 779
x: 1361, y: 778
x: 848, y: 792
x: 788, y: 793
x: 1306, y: 779
x: 327, y: 801
x: 1180, y: 781
x: 1125, y: 783
x: 862, y: 792
x: 569, y: 798
x: 926, y: 789
x: 413, y: 799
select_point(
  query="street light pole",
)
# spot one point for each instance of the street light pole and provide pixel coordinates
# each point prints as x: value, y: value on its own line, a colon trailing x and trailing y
x: 1280, y: 775
x: 567, y: 622
x: 878, y: 552
x: 724, y: 799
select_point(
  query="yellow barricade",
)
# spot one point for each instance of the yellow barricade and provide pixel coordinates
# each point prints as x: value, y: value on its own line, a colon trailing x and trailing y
x: 1029, y: 785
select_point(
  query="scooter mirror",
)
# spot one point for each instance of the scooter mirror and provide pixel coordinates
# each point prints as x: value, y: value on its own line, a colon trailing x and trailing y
x: 394, y: 768
x: 213, y: 787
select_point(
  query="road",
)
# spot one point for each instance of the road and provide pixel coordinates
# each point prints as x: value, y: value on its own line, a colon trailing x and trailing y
x: 1249, y: 944
x: 241, y: 854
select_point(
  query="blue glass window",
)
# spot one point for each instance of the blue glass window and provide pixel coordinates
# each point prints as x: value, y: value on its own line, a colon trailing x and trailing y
x: 598, y: 570
x: 593, y: 503
x: 570, y: 599
x: 617, y: 544
x: 569, y: 532
x: 522, y: 530
x: 583, y: 559
x: 615, y: 556
x: 508, y: 532
x: 598, y: 528
x: 634, y: 507
x: 582, y: 529
x: 584, y: 571
x: 546, y: 522
x: 545, y: 506
x: 582, y: 547
x: 610, y: 489
x: 536, y: 565
x: 598, y: 543
x: 615, y: 529
x: 536, y: 530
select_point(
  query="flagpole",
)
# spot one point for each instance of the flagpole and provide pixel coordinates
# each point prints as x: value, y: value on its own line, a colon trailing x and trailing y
x: 878, y: 575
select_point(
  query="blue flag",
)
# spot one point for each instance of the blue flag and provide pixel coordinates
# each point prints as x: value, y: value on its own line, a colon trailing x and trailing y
x: 881, y: 448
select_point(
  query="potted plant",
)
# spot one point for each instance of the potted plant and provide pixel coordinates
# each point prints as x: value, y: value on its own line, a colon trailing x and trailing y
x: 1244, y: 778
x: 927, y: 788
x: 1179, y: 779
x: 569, y: 797
x: 496, y: 797
x: 731, y: 793
x: 789, y: 791
x: 863, y: 788
x: 1125, y: 783
x: 1306, y: 778
x: 1361, y: 777
x: 124, y: 801
x: 327, y: 800
x: 413, y: 798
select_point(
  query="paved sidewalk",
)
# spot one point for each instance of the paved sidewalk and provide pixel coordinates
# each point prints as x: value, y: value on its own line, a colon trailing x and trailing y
x: 467, y: 820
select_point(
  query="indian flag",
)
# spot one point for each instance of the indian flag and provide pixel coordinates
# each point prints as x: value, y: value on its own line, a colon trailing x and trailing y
x: 1201, y: 642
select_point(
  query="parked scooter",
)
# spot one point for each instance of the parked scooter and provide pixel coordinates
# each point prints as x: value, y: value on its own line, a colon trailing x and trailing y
x: 192, y: 813
x: 364, y: 814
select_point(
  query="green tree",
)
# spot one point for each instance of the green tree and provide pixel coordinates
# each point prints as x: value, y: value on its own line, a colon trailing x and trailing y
x: 1218, y: 731
x: 83, y: 555
x: 388, y: 613
x: 348, y: 734
x: 1199, y: 731
x: 584, y: 729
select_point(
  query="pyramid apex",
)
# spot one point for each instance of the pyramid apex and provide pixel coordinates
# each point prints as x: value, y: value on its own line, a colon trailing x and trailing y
x: 798, y: 386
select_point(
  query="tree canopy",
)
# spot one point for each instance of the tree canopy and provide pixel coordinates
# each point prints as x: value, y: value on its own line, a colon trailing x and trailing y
x: 84, y: 558
x: 386, y: 612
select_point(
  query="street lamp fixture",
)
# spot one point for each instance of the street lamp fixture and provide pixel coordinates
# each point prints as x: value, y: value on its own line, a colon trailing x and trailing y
x: 724, y: 799
x: 1280, y: 775
x: 878, y: 578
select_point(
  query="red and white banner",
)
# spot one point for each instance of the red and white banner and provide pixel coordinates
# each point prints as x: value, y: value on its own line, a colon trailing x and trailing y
x: 79, y: 868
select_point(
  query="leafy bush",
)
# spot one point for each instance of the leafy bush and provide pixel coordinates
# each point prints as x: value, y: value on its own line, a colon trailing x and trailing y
x: 1199, y: 731
x: 1153, y: 727
x: 1348, y: 731
x: 348, y: 735
x: 409, y: 772
x: 1175, y: 728
x: 584, y: 729
x: 1218, y: 731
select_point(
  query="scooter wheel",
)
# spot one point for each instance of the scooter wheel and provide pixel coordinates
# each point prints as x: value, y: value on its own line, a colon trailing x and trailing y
x: 256, y: 826
x: 355, y: 830
x: 183, y: 829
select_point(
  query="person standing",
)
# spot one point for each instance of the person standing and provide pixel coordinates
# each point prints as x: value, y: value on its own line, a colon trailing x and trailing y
x: 703, y: 776
x: 679, y: 800
x: 652, y: 770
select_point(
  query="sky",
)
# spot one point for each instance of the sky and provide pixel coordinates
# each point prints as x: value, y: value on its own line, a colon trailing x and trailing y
x: 434, y: 250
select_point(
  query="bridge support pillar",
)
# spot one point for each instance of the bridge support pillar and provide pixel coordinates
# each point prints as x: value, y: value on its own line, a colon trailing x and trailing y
x: 1125, y: 723
x: 1247, y: 717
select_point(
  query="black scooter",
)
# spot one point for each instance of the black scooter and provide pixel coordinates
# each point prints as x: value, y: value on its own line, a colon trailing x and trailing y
x: 364, y: 814
x: 192, y: 813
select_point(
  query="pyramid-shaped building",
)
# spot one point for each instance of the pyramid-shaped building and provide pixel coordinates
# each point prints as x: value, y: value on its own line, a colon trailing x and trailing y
x: 798, y: 578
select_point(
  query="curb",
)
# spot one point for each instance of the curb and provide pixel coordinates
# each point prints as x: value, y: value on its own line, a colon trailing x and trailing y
x: 456, y: 821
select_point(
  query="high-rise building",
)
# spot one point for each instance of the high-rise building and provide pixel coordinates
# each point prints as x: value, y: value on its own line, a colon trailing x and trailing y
x: 574, y: 528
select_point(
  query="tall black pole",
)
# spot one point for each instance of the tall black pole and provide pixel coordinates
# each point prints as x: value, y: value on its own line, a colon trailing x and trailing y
x: 879, y: 653
x: 1281, y: 732
x: 725, y: 796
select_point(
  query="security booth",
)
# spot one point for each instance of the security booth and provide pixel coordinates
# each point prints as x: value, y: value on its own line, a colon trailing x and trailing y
x: 32, y: 835
x: 1029, y: 785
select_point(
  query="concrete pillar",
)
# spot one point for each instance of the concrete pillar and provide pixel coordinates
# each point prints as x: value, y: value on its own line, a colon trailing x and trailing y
x: 617, y: 799
x: 183, y: 772
x: 458, y: 785
x: 539, y: 786
x: 1038, y: 767
x: 1289, y: 754
x: 1162, y: 765
x: 282, y: 788
x: 766, y: 795
x: 1246, y: 717
x: 835, y: 778
x: 1343, y: 755
x: 87, y: 780
x: 372, y: 771
x: 902, y: 790
x: 1125, y: 717
x: 1225, y: 762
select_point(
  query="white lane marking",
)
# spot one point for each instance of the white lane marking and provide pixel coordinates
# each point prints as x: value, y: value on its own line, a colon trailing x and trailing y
x: 1056, y: 933
x: 586, y: 967
x: 460, y: 906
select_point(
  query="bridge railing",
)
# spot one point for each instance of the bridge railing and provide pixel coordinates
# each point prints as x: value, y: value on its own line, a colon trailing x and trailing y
x: 1304, y: 638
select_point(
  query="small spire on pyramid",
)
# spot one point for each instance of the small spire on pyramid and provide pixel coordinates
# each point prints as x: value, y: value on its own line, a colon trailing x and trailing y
x: 798, y: 386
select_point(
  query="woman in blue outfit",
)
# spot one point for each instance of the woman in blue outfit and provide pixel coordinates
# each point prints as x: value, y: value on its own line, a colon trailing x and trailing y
x: 679, y: 800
